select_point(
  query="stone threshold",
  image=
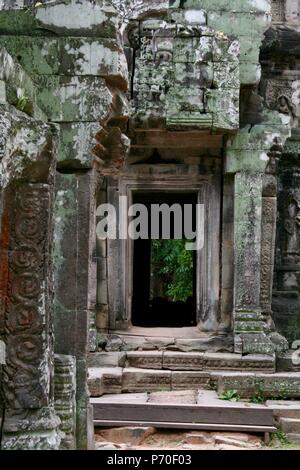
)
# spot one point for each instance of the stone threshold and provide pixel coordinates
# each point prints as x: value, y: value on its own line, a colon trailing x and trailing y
x: 153, y: 339
x: 188, y: 332
x: 184, y: 361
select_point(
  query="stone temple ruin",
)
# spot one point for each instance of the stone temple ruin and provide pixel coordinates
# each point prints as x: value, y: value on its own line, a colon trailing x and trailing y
x: 162, y: 101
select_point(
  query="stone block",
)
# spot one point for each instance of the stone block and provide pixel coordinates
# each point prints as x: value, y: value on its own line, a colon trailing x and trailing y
x: 135, y: 380
x: 106, y: 359
x: 145, y: 360
x: 75, y: 98
x: 104, y: 380
x: 159, y: 343
x: 284, y: 362
x: 182, y: 361
x: 128, y: 435
x: 286, y: 385
x: 190, y: 380
x: 77, y: 18
x: 290, y: 425
x: 76, y: 142
x: 133, y: 343
x: 199, y: 438
x: 219, y: 361
x: 212, y: 343
x: 231, y: 441
x: 95, y: 384
x: 122, y: 398
x: 244, y: 383
x: 294, y: 437
x: 258, y: 363
x: 284, y: 408
x: 179, y: 397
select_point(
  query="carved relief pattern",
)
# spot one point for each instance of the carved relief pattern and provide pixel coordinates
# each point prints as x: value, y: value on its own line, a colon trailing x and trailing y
x: 64, y: 393
x: 26, y: 375
x: 278, y: 13
x: 291, y: 225
x: 267, y: 251
x: 283, y: 95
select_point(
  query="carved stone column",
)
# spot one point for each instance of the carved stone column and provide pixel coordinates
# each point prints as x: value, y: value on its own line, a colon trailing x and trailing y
x: 247, y: 261
x: 65, y: 398
x: 26, y: 284
x: 249, y: 153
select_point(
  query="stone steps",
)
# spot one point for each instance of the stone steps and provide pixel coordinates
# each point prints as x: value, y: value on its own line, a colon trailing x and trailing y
x: 184, y: 361
x: 291, y: 427
x: 188, y: 409
x: 132, y: 380
x: 282, y: 385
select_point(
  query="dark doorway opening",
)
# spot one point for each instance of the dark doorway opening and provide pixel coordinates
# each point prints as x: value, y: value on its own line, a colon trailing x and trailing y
x: 164, y: 272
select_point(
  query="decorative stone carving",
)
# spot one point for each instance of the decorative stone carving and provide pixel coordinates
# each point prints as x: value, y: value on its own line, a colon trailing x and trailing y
x: 64, y: 394
x: 283, y: 95
x: 291, y: 251
x: 278, y: 10
x: 25, y: 375
x: 183, y: 74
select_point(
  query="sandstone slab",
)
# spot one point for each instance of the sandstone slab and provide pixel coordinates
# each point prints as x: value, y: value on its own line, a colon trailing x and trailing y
x: 135, y: 380
x: 145, y: 359
x: 189, y: 380
x: 182, y: 361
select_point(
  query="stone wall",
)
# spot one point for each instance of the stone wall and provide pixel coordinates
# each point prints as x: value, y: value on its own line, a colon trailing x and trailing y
x: 75, y: 76
x: 280, y: 87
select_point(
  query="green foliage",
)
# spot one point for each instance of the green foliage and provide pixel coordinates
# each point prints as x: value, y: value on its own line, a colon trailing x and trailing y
x: 230, y: 395
x: 281, y: 437
x: 174, y: 264
x: 259, y: 396
x: 23, y: 104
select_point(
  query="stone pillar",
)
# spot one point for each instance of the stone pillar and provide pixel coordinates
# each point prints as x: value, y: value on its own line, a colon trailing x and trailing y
x: 248, y: 317
x: 249, y: 154
x: 26, y: 285
x: 65, y: 398
x: 75, y: 281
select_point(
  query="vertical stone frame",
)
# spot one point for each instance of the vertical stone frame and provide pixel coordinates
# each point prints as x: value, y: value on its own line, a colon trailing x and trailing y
x: 120, y: 252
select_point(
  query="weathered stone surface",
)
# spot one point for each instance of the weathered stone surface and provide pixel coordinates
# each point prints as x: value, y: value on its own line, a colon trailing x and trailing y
x: 213, y: 343
x: 112, y: 359
x: 31, y: 430
x: 290, y: 425
x: 190, y: 380
x: 145, y: 360
x: 230, y: 441
x: 104, y: 380
x: 285, y: 362
x: 135, y: 380
x: 199, y: 438
x: 122, y: 398
x: 293, y: 437
x: 185, y: 397
x: 286, y: 385
x: 128, y: 435
x: 285, y: 408
x: 182, y: 361
x: 64, y: 396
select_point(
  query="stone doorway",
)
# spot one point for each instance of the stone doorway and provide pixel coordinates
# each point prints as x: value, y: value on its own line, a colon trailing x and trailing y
x: 126, y: 275
x: 164, y: 271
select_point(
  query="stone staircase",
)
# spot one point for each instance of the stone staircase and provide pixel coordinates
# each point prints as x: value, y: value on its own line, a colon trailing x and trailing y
x: 142, y: 378
x: 155, y: 371
x: 287, y: 417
